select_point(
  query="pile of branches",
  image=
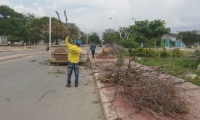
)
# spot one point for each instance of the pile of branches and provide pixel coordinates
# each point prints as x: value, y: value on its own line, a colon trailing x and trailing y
x: 115, y: 50
x: 146, y: 89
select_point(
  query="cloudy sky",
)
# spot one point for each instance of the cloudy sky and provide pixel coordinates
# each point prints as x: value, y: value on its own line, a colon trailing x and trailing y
x: 92, y: 15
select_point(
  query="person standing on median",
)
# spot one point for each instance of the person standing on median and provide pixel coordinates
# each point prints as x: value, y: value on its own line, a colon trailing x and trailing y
x: 74, y: 52
x: 24, y: 44
x: 106, y: 51
x: 92, y: 48
x: 8, y: 45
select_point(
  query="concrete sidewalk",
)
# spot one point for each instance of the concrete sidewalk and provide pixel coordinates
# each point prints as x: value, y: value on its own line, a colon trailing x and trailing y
x: 119, y: 109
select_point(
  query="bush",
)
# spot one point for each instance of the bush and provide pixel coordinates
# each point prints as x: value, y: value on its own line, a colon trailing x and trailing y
x: 189, y: 64
x: 164, y: 54
x: 129, y: 44
x: 177, y: 53
x: 198, y: 54
x: 141, y: 52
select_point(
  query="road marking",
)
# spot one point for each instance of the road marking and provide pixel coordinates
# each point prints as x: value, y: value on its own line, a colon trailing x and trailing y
x: 51, y: 67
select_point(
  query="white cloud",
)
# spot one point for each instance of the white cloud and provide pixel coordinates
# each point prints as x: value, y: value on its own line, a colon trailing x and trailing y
x: 38, y: 11
x: 36, y: 4
x: 92, y: 15
x: 97, y: 12
x: 5, y: 2
x: 176, y: 13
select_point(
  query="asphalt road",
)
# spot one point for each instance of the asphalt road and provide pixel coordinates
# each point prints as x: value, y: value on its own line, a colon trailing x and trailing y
x: 32, y: 90
x: 8, y: 53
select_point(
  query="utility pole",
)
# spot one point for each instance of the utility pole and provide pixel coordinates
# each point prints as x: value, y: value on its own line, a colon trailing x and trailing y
x: 50, y: 30
x: 86, y: 40
x: 181, y: 41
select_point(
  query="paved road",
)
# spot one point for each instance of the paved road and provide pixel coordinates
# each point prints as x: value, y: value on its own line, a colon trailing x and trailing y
x: 8, y: 53
x: 32, y: 90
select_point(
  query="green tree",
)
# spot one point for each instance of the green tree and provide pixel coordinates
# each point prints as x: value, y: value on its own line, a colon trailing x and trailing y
x: 57, y: 28
x: 110, y: 36
x: 129, y: 44
x: 35, y: 31
x: 30, y: 29
x: 139, y: 38
x: 189, y: 37
x: 11, y: 23
x: 83, y: 38
x: 150, y: 29
x: 74, y: 30
x: 94, y: 38
x: 44, y: 28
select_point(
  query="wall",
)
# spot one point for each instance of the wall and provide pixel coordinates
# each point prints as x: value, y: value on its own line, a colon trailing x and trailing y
x: 3, y: 40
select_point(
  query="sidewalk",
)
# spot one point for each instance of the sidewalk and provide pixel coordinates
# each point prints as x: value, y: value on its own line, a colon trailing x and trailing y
x: 119, y: 109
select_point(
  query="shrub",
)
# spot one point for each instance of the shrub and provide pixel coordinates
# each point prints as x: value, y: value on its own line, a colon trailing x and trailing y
x: 164, y: 54
x: 189, y: 63
x: 198, y: 54
x: 141, y: 52
x: 129, y: 44
x: 177, y: 53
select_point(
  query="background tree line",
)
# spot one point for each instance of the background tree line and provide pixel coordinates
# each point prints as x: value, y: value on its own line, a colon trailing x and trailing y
x: 147, y: 32
x: 28, y: 28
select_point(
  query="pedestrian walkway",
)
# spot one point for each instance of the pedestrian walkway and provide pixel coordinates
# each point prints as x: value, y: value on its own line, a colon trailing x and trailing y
x: 119, y: 109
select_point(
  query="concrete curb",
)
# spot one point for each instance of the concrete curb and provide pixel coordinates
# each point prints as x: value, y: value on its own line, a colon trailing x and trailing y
x: 109, y: 113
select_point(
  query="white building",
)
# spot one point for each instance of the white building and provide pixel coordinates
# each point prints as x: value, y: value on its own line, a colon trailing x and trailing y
x: 3, y: 40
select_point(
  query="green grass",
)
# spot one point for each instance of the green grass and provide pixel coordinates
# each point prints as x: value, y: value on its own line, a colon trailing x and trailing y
x: 195, y: 81
x: 32, y: 61
x: 59, y: 72
x: 45, y: 62
x: 179, y: 66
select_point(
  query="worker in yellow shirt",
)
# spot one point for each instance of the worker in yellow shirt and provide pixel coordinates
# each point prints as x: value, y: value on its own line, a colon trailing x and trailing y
x: 106, y: 51
x: 74, y: 52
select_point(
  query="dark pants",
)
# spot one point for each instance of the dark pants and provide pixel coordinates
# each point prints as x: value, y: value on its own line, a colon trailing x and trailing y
x: 72, y: 67
x: 93, y: 52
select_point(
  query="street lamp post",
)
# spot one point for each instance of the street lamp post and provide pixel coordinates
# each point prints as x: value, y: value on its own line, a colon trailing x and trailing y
x: 181, y: 41
x: 117, y: 26
x: 127, y: 34
x: 86, y: 40
x: 122, y: 28
x: 101, y: 40
x: 50, y: 29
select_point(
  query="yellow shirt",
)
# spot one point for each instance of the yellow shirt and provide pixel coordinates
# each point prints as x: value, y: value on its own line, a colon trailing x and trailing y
x: 73, y: 52
x: 106, y: 49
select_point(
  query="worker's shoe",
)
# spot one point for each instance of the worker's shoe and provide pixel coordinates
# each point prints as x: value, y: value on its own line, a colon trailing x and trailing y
x: 76, y: 85
x: 68, y: 85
